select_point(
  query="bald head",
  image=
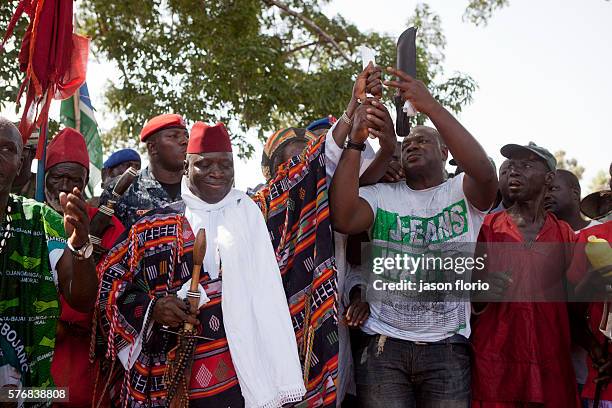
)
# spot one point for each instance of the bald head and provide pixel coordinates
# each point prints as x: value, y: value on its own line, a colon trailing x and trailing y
x: 11, y: 148
x: 9, y: 131
x: 426, y: 130
x: 424, y: 155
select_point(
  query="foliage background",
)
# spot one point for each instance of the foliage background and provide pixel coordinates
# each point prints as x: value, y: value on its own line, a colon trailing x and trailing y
x: 257, y: 65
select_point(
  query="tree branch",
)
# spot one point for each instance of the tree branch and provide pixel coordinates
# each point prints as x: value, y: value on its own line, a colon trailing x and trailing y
x: 328, y: 38
x: 311, y: 57
x: 301, y: 47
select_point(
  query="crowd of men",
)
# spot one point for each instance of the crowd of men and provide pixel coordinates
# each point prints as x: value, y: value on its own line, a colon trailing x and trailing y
x: 97, y: 296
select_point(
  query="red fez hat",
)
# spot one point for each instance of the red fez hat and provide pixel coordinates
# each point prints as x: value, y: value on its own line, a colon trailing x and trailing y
x: 161, y: 122
x: 209, y: 139
x: 68, y: 146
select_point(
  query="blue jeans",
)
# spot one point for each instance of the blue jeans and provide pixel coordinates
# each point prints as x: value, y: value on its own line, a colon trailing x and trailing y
x: 408, y: 374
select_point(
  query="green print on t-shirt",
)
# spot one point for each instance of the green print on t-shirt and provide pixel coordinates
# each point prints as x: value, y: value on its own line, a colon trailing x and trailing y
x: 415, y: 231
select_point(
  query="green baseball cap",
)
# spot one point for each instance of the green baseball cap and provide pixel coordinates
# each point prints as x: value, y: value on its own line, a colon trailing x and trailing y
x: 510, y: 150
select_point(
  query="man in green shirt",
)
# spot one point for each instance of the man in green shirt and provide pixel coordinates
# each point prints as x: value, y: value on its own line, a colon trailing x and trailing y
x: 37, y: 263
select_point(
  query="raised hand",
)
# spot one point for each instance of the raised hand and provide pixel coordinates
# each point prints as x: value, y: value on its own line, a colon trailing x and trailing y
x: 374, y: 83
x: 368, y: 81
x: 76, y: 220
x: 359, y: 130
x: 378, y: 116
x: 413, y: 90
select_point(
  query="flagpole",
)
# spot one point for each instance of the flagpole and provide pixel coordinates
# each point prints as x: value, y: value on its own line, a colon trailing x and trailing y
x: 77, y: 95
x: 40, y: 173
x: 77, y: 109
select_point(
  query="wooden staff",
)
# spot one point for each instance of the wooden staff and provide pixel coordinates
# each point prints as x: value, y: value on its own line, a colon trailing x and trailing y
x: 199, y: 251
x: 178, y: 373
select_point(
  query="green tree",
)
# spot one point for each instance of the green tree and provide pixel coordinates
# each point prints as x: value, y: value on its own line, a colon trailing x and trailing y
x: 600, y: 182
x: 253, y: 64
x: 457, y: 90
x: 480, y: 11
x: 113, y: 140
x: 10, y: 76
x: 568, y: 164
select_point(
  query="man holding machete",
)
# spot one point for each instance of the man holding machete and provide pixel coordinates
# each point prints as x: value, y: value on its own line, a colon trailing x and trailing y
x: 433, y: 334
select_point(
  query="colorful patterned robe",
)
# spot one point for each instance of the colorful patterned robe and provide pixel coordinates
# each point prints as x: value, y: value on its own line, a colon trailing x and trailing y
x: 295, y: 206
x: 154, y: 259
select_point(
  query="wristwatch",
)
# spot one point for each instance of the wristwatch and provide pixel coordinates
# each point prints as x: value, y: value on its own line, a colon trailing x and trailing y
x: 356, y: 146
x: 83, y: 252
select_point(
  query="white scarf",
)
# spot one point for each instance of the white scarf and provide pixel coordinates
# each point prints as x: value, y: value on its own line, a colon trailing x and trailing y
x: 255, y: 311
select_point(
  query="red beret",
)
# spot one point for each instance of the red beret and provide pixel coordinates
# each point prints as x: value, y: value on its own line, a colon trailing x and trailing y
x: 209, y: 139
x: 167, y: 121
x: 68, y: 146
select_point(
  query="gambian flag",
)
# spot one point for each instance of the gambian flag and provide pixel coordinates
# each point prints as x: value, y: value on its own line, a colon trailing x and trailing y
x: 78, y: 113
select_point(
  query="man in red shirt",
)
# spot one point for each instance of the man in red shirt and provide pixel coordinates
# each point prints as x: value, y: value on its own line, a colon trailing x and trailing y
x: 594, y: 341
x: 66, y: 167
x: 563, y: 200
x: 590, y: 284
x: 522, y: 348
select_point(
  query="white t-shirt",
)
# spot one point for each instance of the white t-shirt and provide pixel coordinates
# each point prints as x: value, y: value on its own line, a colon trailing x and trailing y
x: 418, y: 221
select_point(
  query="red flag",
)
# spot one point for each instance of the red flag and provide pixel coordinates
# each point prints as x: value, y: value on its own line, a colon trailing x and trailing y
x: 53, y: 58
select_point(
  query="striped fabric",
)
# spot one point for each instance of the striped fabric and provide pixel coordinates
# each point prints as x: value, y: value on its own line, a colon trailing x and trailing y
x: 295, y: 205
x: 277, y: 141
x: 153, y: 260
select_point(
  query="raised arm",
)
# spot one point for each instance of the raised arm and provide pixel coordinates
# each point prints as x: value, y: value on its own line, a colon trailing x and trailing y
x: 368, y: 81
x: 379, y: 117
x: 480, y: 181
x: 77, y: 277
x: 351, y: 214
